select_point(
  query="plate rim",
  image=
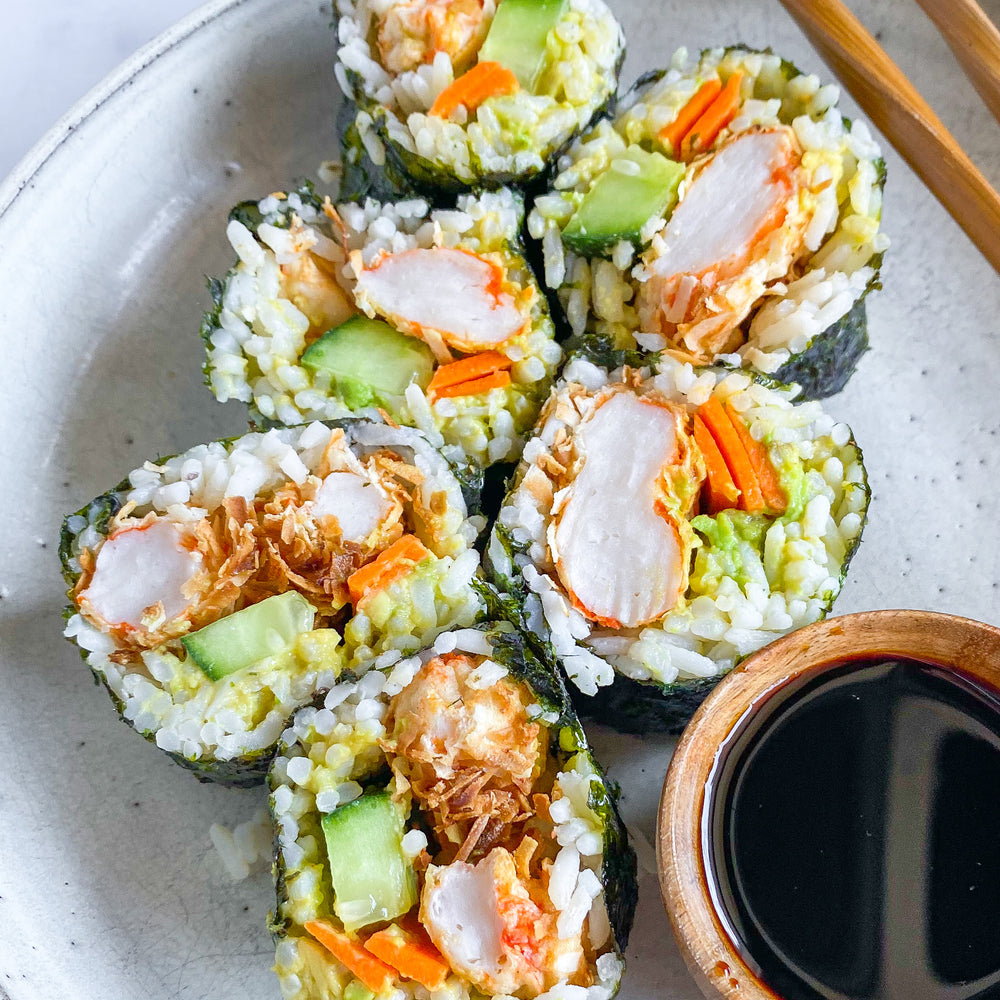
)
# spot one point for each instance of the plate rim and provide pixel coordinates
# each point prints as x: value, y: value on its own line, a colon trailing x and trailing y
x: 32, y: 163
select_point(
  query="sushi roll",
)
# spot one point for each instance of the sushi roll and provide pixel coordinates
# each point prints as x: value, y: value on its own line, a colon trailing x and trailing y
x: 459, y: 94
x: 213, y: 593
x: 442, y: 829
x: 431, y: 317
x: 665, y: 523
x: 728, y: 214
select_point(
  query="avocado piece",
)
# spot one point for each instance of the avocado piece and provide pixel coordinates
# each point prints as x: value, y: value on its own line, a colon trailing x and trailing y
x: 636, y: 187
x: 517, y: 36
x: 372, y: 880
x: 243, y: 638
x: 370, y: 361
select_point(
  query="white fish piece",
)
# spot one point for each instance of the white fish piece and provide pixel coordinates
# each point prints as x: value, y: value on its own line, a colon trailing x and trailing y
x: 449, y: 298
x: 137, y: 568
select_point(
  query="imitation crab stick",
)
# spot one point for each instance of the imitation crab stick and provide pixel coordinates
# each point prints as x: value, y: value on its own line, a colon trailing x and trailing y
x: 770, y: 486
x: 722, y: 491
x: 410, y: 951
x: 672, y: 134
x: 451, y: 379
x: 713, y: 120
x: 484, y: 80
x: 373, y: 972
x: 390, y: 565
x: 740, y: 467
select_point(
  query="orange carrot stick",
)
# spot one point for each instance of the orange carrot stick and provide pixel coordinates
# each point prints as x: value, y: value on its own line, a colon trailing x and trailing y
x: 485, y: 79
x: 722, y: 429
x: 714, y: 119
x: 410, y: 951
x: 495, y: 381
x: 375, y: 974
x: 467, y: 369
x: 770, y: 485
x: 390, y: 565
x: 722, y: 491
x: 672, y: 134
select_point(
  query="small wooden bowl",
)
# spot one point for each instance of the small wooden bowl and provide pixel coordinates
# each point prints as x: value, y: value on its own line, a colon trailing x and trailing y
x: 711, y: 956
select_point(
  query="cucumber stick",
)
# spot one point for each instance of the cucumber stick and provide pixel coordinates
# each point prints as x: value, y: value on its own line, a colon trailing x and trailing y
x: 243, y: 638
x: 370, y: 362
x: 637, y: 187
x: 517, y: 37
x: 372, y: 879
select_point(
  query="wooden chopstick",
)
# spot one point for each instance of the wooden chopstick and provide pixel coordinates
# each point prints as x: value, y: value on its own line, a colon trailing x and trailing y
x: 975, y: 40
x: 904, y: 117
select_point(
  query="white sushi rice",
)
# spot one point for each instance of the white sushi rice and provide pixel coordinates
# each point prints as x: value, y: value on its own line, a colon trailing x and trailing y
x: 585, y: 49
x: 170, y: 700
x: 793, y: 581
x: 256, y: 340
x: 843, y: 237
x: 322, y: 758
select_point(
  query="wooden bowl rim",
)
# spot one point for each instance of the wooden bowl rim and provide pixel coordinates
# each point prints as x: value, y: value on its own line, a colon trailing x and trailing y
x: 711, y: 957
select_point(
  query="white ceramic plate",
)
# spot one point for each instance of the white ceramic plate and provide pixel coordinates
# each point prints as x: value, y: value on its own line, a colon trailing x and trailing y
x: 109, y: 889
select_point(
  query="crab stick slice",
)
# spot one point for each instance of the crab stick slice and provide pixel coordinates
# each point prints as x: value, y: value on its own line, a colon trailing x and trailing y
x: 442, y: 296
x: 618, y: 553
x: 138, y: 568
x: 736, y: 202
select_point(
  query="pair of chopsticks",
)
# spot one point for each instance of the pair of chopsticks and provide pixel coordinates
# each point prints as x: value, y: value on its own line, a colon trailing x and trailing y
x: 903, y: 116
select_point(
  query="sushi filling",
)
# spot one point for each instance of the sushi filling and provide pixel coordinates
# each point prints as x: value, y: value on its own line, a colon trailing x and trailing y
x: 639, y: 552
x: 474, y: 95
x: 772, y: 235
x: 288, y: 542
x: 433, y: 317
x: 496, y: 833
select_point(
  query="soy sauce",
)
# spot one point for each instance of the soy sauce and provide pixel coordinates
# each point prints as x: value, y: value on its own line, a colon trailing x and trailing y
x: 852, y: 832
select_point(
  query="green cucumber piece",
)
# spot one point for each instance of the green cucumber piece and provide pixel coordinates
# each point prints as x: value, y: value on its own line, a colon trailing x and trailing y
x: 517, y: 37
x: 372, y: 880
x: 243, y: 638
x: 622, y: 200
x: 370, y: 361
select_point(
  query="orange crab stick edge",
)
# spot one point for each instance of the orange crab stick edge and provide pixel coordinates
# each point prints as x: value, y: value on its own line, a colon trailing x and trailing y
x: 390, y: 564
x: 373, y: 972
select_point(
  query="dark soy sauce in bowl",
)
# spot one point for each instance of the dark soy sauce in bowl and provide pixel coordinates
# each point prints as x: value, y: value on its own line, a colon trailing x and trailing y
x: 851, y: 835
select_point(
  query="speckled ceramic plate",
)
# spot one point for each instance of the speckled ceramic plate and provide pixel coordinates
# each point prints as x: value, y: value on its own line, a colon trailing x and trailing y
x: 108, y: 884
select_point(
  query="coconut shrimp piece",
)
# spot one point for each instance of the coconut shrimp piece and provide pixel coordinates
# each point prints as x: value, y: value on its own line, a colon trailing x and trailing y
x: 359, y: 505
x: 142, y: 577
x: 620, y: 540
x: 469, y: 753
x: 485, y: 923
x: 449, y: 298
x: 739, y: 225
x: 413, y: 32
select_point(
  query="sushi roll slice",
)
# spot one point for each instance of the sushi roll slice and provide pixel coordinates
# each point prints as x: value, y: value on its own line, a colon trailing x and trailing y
x: 728, y: 214
x: 214, y: 592
x: 455, y: 94
x: 665, y: 523
x: 443, y: 830
x: 431, y: 317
